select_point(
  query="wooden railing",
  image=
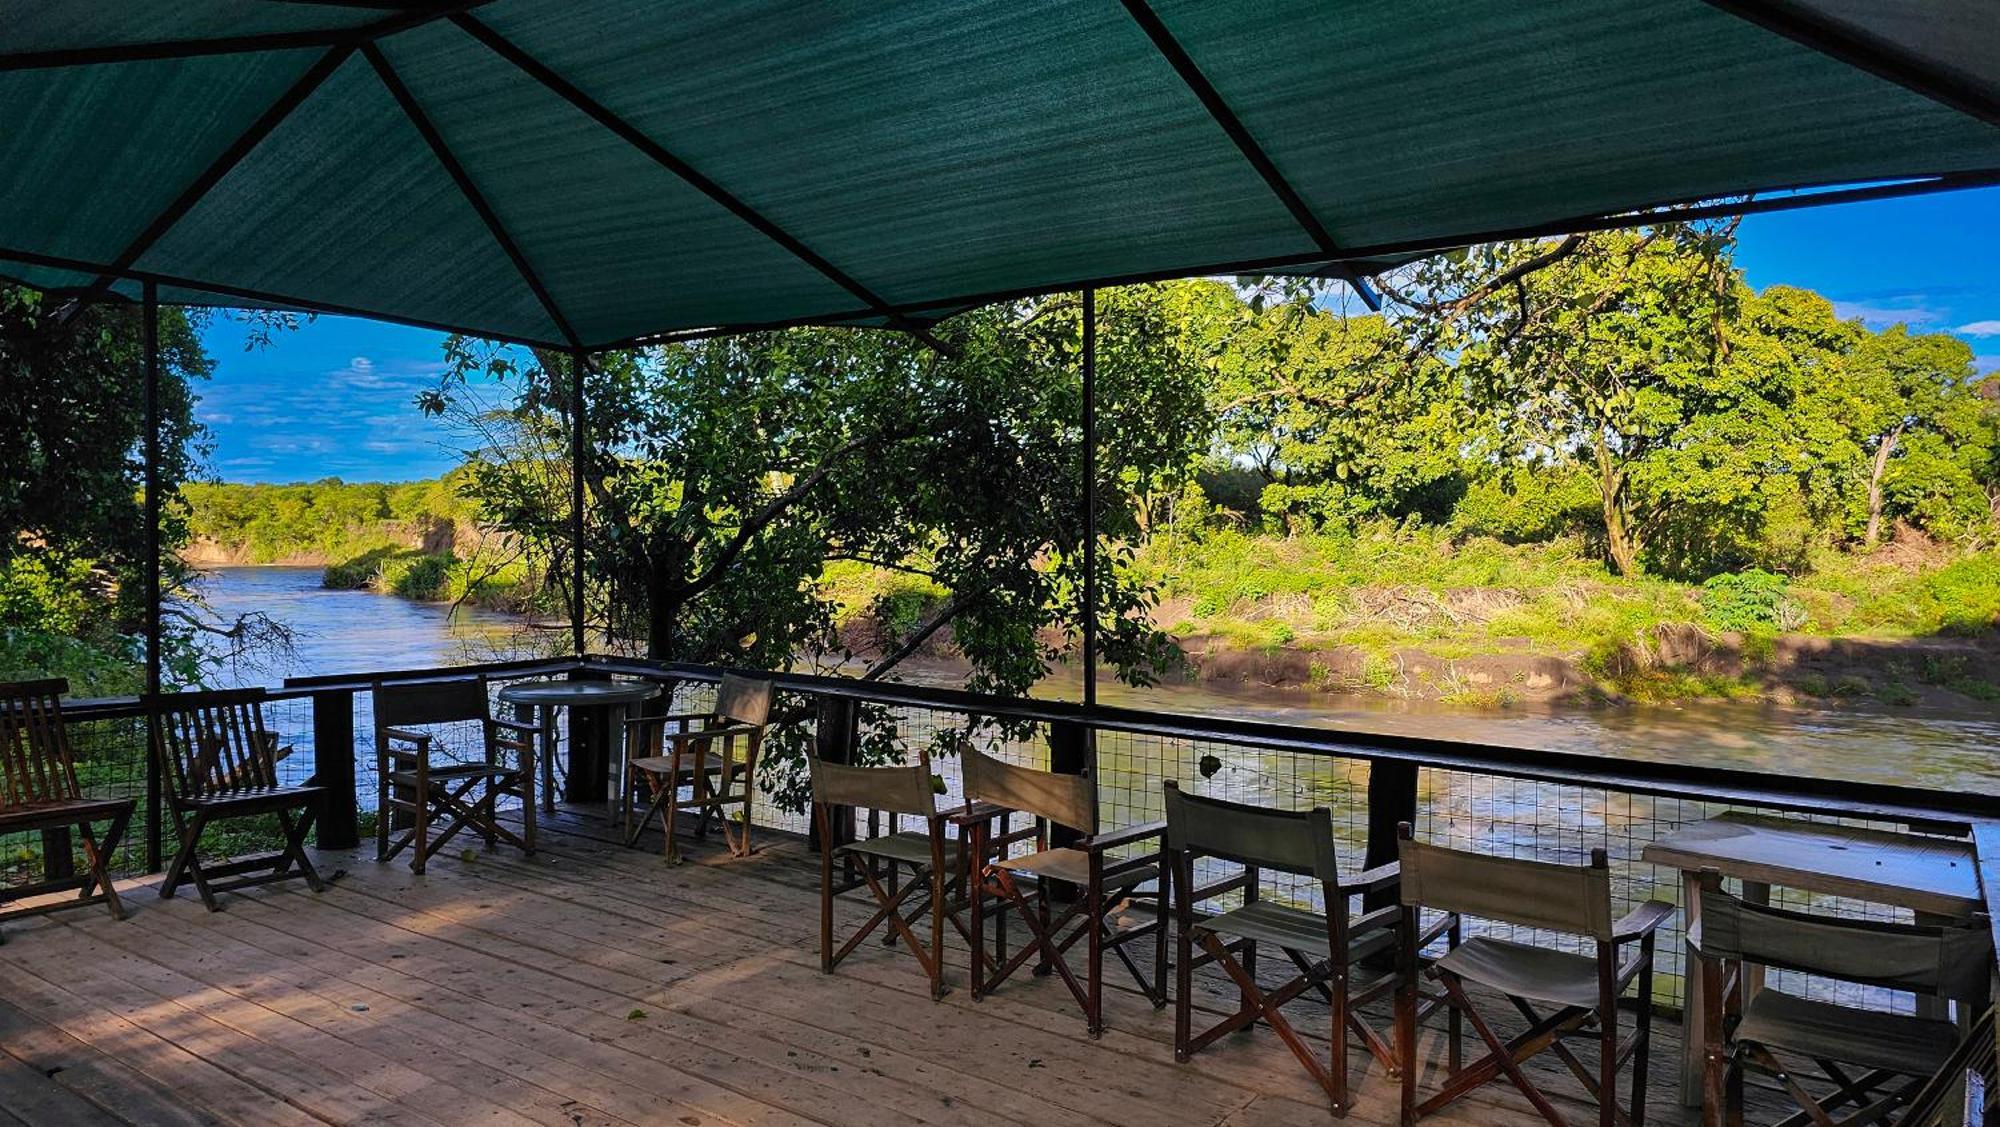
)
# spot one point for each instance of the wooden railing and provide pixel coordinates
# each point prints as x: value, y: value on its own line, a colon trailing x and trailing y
x: 1668, y: 792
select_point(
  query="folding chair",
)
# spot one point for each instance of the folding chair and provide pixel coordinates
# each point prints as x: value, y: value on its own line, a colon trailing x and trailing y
x: 896, y: 791
x: 1878, y: 1062
x: 1327, y: 948
x: 1583, y: 989
x: 39, y: 791
x: 995, y: 791
x: 222, y: 763
x: 716, y: 779
x: 421, y: 782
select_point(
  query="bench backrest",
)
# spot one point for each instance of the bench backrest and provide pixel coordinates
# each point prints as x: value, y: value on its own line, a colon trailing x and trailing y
x: 1949, y: 961
x: 1575, y: 899
x: 415, y: 704
x: 35, y: 761
x: 1066, y: 800
x: 215, y: 743
x: 1289, y: 841
x: 746, y: 700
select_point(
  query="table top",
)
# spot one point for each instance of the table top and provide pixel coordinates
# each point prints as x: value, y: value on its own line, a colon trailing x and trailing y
x: 579, y: 694
x: 1929, y: 874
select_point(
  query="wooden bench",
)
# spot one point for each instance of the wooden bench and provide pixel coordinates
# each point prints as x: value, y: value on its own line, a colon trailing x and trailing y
x: 39, y: 791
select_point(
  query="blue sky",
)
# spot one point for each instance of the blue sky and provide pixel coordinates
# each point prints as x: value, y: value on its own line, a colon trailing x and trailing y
x: 334, y: 399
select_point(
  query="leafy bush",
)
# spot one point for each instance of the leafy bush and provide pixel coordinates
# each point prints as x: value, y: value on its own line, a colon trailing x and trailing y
x: 1747, y: 601
x: 419, y: 577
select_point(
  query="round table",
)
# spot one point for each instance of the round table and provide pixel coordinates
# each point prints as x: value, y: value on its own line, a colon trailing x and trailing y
x: 616, y: 697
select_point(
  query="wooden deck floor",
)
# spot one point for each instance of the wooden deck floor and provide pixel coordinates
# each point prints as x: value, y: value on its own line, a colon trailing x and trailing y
x: 588, y: 985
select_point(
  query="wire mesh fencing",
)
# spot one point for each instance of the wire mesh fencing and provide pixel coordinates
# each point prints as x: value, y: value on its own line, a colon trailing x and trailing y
x: 1488, y: 813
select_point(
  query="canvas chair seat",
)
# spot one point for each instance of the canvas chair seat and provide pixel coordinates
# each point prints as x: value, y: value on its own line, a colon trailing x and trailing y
x: 1903, y: 1043
x: 910, y: 847
x: 1073, y: 865
x: 711, y: 762
x: 1293, y: 929
x: 1523, y: 971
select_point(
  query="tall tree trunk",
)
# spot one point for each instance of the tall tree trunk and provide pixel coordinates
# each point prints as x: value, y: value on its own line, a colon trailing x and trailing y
x: 1621, y: 540
x: 1882, y: 453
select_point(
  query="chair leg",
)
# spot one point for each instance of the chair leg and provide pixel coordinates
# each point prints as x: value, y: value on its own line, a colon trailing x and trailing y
x: 184, y: 856
x: 825, y: 890
x: 98, y: 856
x: 938, y: 875
x: 295, y: 847
x: 1093, y: 912
x: 1183, y: 967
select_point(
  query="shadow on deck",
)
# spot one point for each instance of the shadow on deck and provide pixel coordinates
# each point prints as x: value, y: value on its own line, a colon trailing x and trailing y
x: 594, y: 984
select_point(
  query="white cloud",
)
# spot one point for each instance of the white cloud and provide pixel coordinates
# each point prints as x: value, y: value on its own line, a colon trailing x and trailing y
x: 1880, y: 315
x: 1980, y: 329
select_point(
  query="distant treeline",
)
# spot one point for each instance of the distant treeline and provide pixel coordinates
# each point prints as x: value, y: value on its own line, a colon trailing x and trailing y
x: 324, y: 521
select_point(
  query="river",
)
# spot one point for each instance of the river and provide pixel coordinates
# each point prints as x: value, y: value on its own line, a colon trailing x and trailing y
x: 352, y: 631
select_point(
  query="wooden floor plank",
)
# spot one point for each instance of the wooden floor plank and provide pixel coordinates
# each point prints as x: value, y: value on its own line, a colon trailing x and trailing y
x: 591, y: 984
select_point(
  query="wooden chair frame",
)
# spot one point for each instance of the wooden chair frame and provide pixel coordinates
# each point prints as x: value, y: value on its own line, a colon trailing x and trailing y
x: 220, y: 762
x: 900, y: 792
x: 996, y: 792
x: 462, y: 795
x: 1841, y: 949
x: 718, y: 780
x: 1299, y: 842
x: 1547, y: 1029
x: 39, y: 791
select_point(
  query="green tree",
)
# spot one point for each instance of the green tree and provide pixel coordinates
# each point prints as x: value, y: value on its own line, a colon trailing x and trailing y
x: 1612, y: 351
x: 725, y: 476
x: 1903, y: 386
x: 1341, y: 420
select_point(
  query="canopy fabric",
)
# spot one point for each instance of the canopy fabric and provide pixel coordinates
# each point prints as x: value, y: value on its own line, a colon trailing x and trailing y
x: 590, y: 173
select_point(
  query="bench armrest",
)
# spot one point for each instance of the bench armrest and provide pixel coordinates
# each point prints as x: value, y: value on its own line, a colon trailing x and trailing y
x: 973, y: 813
x: 1130, y: 835
x: 1381, y: 878
x: 1642, y: 922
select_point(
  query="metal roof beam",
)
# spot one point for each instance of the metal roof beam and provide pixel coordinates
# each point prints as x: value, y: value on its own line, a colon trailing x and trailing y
x: 415, y: 113
x: 406, y: 17
x: 1211, y: 99
x: 660, y: 155
x: 1857, y: 48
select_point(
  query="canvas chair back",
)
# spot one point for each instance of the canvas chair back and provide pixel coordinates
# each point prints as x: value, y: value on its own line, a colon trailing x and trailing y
x: 1539, y: 894
x: 1066, y: 800
x: 1950, y: 961
x: 215, y: 743
x: 417, y: 704
x: 1291, y: 841
x: 35, y: 761
x: 746, y: 700
x: 893, y: 790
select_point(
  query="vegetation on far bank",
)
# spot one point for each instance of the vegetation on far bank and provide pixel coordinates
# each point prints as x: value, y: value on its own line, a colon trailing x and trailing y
x: 418, y: 539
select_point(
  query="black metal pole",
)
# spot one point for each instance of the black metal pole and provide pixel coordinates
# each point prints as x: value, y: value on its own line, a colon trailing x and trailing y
x: 576, y: 452
x: 150, y: 331
x: 1090, y: 497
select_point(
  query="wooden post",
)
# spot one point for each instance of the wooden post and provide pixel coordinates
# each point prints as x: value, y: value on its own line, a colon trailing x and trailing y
x: 836, y: 733
x: 1392, y: 799
x: 1072, y: 751
x: 333, y: 768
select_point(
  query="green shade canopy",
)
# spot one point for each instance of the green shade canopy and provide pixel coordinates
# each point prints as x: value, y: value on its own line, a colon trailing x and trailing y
x: 598, y: 172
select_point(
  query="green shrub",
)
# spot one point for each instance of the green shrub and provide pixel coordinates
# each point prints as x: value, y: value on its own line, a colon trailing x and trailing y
x: 1745, y: 601
x: 419, y: 577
